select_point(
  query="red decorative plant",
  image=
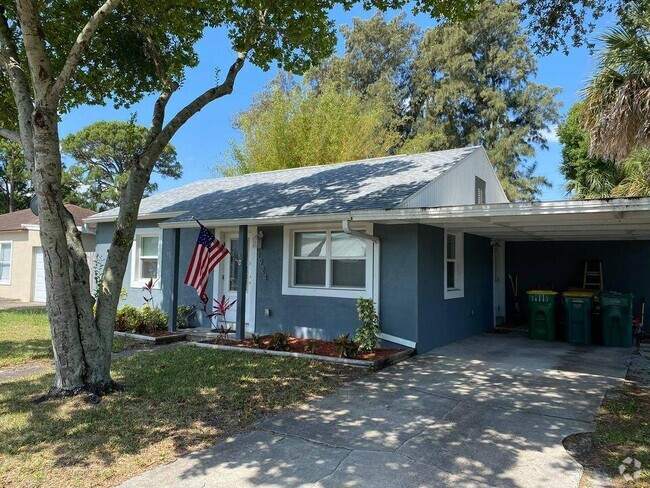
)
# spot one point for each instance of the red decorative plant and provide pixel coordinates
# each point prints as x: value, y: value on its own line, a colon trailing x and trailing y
x: 148, y: 288
x: 219, y: 309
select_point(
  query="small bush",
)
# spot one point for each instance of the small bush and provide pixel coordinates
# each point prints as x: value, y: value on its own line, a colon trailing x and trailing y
x: 127, y: 319
x: 183, y: 313
x: 311, y: 346
x: 345, y: 347
x: 144, y: 321
x: 279, y: 342
x: 257, y: 341
x: 366, y: 336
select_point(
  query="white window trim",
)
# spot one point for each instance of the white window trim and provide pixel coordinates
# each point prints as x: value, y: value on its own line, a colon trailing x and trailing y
x: 11, y: 255
x: 139, y: 233
x: 459, y: 290
x: 372, y: 274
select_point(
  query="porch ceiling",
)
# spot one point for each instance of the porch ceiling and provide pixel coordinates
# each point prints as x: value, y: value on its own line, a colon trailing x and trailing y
x: 620, y: 219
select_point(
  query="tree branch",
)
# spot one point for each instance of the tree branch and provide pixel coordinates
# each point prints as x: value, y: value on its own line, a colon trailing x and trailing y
x: 79, y: 48
x: 198, y: 103
x: 12, y: 135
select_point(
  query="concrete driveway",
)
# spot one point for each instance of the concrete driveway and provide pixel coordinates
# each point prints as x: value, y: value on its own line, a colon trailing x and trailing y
x: 491, y: 410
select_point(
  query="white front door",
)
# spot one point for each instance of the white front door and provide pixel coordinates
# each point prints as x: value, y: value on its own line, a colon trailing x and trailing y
x: 499, y: 283
x: 229, y: 275
x: 39, y: 276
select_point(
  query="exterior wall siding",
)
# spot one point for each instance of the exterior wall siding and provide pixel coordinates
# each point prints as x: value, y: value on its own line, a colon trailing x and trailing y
x: 443, y: 321
x: 560, y: 265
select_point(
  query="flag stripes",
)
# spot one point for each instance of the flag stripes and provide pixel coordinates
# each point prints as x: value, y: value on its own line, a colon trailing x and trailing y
x: 207, y: 254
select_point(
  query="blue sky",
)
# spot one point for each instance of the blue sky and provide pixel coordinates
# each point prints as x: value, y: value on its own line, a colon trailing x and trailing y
x: 203, y: 140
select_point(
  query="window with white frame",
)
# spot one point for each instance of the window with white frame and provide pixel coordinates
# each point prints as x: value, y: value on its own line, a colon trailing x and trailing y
x: 5, y: 263
x: 327, y: 262
x: 146, y: 260
x: 454, y: 265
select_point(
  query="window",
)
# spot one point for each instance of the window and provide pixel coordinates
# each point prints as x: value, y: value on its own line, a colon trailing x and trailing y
x: 234, y: 265
x: 479, y: 191
x: 453, y: 271
x: 5, y: 263
x: 145, y: 258
x: 327, y: 262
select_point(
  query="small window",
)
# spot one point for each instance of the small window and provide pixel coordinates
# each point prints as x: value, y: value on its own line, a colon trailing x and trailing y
x: 454, y: 269
x: 146, y: 259
x: 348, y: 261
x: 234, y: 265
x: 479, y: 191
x: 5, y: 263
x: 310, y: 258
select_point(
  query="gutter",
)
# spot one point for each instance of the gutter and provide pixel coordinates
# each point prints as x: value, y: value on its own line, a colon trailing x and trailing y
x: 358, y: 233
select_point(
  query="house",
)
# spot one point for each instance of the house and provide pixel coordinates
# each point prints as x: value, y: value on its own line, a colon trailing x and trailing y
x: 431, y: 238
x: 22, y: 274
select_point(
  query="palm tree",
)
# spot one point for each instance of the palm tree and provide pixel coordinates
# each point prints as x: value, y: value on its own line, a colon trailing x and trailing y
x: 636, y: 175
x: 618, y: 97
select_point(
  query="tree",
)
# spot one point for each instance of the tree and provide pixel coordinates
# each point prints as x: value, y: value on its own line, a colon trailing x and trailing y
x: 103, y: 154
x: 292, y: 125
x: 617, y: 99
x: 56, y: 56
x: 14, y: 178
x: 636, y: 175
x: 587, y: 176
x: 473, y: 85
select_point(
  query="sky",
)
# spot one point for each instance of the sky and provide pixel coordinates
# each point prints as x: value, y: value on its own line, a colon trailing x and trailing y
x: 202, y: 142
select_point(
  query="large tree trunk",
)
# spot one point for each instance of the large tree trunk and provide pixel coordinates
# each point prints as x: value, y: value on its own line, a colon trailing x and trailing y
x: 81, y: 352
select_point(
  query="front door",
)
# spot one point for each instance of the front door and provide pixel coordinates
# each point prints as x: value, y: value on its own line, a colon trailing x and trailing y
x: 229, y: 276
x: 499, y: 283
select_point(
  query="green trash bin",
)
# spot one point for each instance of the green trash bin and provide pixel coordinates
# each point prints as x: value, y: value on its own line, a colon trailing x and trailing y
x: 541, y: 314
x: 578, y: 306
x: 616, y: 310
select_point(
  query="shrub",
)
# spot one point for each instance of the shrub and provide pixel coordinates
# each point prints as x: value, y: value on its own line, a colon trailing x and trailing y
x: 257, y: 341
x: 311, y: 346
x: 183, y: 313
x: 279, y: 342
x: 345, y: 347
x: 144, y: 321
x: 366, y: 336
x: 127, y: 319
x: 153, y: 319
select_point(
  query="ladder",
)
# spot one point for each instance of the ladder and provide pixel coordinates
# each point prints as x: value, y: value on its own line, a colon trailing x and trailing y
x: 593, y: 277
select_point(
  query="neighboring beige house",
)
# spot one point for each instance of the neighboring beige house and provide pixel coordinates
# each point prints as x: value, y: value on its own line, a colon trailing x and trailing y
x: 22, y: 276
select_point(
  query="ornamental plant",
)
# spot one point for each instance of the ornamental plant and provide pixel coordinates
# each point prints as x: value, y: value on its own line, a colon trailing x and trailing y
x: 367, y: 334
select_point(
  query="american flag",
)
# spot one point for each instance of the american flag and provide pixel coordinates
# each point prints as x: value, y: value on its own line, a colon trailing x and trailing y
x: 207, y: 254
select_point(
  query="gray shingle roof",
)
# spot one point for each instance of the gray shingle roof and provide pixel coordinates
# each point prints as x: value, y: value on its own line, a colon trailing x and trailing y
x: 379, y: 183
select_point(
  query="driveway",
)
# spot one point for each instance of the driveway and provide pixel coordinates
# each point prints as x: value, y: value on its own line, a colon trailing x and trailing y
x: 491, y: 410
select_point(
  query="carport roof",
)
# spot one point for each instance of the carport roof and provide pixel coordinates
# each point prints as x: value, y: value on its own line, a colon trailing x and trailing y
x: 610, y: 219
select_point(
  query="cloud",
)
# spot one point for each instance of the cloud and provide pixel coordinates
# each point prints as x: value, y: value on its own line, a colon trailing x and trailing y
x: 550, y: 134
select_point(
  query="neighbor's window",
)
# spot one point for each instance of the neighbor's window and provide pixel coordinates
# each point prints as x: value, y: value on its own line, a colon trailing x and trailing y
x: 479, y: 191
x: 146, y: 258
x: 5, y: 263
x: 328, y: 260
x: 454, y: 272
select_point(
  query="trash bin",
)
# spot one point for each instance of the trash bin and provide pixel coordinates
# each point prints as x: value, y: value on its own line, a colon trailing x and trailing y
x: 578, y: 307
x: 541, y: 314
x: 616, y: 310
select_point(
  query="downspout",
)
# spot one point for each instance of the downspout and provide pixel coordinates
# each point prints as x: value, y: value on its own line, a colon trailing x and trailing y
x: 375, y: 240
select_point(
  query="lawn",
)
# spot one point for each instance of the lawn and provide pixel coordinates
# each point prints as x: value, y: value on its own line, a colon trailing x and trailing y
x: 176, y: 400
x: 25, y: 336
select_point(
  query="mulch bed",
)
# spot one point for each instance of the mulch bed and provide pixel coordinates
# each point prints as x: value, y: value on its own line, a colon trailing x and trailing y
x: 323, y: 348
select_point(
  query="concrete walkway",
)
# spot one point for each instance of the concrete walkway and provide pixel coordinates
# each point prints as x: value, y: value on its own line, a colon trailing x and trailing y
x: 488, y: 411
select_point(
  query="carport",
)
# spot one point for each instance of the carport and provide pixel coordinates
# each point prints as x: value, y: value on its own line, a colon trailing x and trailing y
x: 546, y: 244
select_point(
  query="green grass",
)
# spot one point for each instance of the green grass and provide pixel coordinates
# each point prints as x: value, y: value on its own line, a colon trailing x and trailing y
x: 25, y: 336
x: 176, y: 400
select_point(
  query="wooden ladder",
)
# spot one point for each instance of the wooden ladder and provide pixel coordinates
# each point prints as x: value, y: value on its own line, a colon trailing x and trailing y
x: 593, y: 277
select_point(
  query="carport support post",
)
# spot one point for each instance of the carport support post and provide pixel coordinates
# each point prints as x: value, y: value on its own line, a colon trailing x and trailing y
x: 174, y: 298
x: 242, y: 278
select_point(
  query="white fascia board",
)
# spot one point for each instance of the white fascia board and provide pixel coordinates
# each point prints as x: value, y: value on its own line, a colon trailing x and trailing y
x: 507, y: 210
x: 146, y: 216
x: 37, y: 228
x: 284, y: 219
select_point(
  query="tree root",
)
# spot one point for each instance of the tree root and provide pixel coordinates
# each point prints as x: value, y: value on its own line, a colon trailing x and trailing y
x: 94, y: 392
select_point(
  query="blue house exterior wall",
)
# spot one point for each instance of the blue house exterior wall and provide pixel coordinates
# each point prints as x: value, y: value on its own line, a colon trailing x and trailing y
x: 559, y: 265
x: 443, y: 321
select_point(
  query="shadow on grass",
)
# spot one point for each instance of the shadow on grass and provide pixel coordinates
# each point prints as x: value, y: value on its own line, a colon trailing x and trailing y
x: 176, y: 400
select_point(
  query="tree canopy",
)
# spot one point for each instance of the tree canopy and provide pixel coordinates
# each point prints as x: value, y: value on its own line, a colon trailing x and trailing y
x: 454, y: 85
x: 103, y: 154
x: 15, y: 185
